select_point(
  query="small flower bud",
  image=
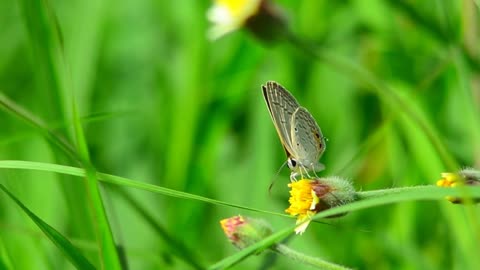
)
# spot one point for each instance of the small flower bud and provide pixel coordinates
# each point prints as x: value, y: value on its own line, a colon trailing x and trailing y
x: 308, y: 197
x: 243, y: 231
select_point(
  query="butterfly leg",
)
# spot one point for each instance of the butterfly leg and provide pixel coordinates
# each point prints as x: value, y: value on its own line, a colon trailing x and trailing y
x: 305, y: 171
x: 313, y: 170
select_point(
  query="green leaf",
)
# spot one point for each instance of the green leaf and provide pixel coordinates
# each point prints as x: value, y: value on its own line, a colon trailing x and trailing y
x: 68, y: 249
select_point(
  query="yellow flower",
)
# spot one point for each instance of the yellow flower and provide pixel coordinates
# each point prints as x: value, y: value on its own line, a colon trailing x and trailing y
x: 230, y: 15
x: 308, y: 197
x: 303, y: 201
x: 449, y: 180
x: 469, y: 177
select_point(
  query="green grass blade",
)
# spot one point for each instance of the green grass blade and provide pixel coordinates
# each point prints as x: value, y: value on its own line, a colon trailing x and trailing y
x: 26, y: 135
x: 121, y: 181
x: 253, y: 249
x: 5, y: 261
x: 391, y: 195
x: 367, y: 199
x: 56, y: 139
x: 175, y: 246
x: 68, y: 249
x: 109, y: 253
x: 48, y: 49
x: 16, y: 110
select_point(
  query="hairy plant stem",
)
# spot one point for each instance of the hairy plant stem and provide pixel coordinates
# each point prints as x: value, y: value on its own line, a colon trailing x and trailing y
x: 306, y: 259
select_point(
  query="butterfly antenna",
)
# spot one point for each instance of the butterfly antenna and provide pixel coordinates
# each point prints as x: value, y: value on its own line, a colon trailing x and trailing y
x: 276, y: 176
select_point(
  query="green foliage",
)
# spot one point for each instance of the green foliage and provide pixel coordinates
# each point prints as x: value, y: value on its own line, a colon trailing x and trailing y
x: 178, y: 128
x: 70, y: 251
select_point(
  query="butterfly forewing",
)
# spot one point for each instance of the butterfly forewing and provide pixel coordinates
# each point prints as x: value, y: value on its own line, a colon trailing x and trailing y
x: 281, y: 105
x: 308, y: 142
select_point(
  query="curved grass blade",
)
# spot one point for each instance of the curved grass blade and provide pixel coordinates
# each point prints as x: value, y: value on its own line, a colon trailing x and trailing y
x: 87, y: 119
x: 367, y: 200
x: 52, y: 77
x: 56, y: 139
x: 68, y: 249
x: 47, y: 42
x: 428, y: 192
x: 16, y: 110
x: 121, y: 181
x: 253, y: 249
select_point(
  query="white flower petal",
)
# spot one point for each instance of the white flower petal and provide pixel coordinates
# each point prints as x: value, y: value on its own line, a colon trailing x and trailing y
x: 217, y: 31
x: 219, y: 15
x: 300, y: 229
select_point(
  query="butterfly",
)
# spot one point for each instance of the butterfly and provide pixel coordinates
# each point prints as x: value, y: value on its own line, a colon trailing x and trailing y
x: 298, y: 131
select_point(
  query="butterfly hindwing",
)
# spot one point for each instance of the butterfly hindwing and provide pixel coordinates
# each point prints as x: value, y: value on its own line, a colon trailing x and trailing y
x: 308, y: 142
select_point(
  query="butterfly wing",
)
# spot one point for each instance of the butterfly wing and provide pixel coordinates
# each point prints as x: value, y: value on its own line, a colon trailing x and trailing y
x: 281, y: 105
x: 308, y: 142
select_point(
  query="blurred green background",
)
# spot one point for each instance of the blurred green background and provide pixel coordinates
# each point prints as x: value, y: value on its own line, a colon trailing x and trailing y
x: 162, y: 104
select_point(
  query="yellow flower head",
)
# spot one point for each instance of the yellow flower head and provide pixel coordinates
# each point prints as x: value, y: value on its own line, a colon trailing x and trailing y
x: 469, y: 177
x: 449, y: 180
x: 303, y: 201
x: 308, y: 197
x: 230, y: 15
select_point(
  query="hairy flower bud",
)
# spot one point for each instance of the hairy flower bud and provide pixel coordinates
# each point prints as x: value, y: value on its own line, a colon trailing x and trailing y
x: 243, y: 231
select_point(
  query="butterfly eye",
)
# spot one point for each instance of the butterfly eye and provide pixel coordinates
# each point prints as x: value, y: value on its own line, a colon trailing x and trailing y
x: 292, y: 163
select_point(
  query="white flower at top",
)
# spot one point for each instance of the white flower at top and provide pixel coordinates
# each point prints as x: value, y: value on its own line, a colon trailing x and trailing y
x: 230, y: 15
